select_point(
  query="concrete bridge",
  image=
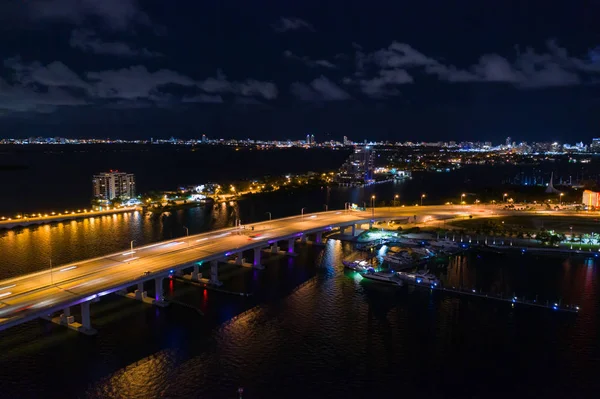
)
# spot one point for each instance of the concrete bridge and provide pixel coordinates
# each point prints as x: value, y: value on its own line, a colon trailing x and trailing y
x: 55, y: 291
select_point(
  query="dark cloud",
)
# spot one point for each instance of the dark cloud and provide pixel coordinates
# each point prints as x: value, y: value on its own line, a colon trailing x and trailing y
x: 528, y: 70
x: 114, y: 14
x: 87, y: 41
x: 203, y: 98
x: 21, y: 98
x: 308, y: 62
x: 320, y: 89
x: 250, y: 87
x: 386, y: 83
x: 289, y: 24
x: 135, y: 82
x: 38, y: 87
x: 54, y: 74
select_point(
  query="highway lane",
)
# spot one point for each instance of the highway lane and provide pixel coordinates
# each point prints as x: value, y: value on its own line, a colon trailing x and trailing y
x: 36, y: 292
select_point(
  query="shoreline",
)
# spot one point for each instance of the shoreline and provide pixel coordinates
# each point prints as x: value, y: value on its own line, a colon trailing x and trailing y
x: 10, y: 224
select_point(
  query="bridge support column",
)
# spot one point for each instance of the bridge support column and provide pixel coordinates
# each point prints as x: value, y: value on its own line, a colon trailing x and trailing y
x: 275, y: 248
x: 303, y: 239
x: 196, y: 275
x: 214, y: 273
x: 256, y: 264
x: 353, y: 230
x: 65, y: 317
x: 159, y: 298
x: 86, y: 324
x: 291, y: 243
x: 140, y: 293
x: 239, y: 260
x: 319, y: 238
x: 342, y: 230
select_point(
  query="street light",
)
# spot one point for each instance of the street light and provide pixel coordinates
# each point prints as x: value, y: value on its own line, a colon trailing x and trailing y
x: 571, y: 228
x: 269, y: 215
x: 560, y: 197
x: 463, y: 195
x: 132, y: 245
x: 373, y: 205
x: 396, y: 199
x: 422, y: 196
x: 504, y: 197
x: 326, y: 207
x: 302, y: 212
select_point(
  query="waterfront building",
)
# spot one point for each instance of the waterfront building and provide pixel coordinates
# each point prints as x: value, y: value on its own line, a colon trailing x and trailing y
x: 359, y: 167
x: 114, y: 184
x: 591, y: 198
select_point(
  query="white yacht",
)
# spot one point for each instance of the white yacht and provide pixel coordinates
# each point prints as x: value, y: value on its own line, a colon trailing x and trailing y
x: 357, y: 265
x: 384, y: 277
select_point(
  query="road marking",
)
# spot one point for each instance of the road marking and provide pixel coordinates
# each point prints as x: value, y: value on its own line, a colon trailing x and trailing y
x: 130, y: 259
x: 68, y: 268
x: 202, y: 239
x: 8, y: 286
x: 5, y: 294
x: 128, y: 253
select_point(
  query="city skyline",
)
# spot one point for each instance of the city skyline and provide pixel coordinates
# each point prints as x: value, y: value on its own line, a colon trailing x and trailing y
x: 125, y: 69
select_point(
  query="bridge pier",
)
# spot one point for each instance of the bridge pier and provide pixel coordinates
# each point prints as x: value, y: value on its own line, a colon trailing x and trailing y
x: 196, y: 275
x: 275, y: 248
x: 303, y: 239
x: 140, y: 294
x: 353, y: 230
x: 66, y: 318
x: 214, y: 273
x: 319, y: 238
x: 239, y: 260
x: 159, y: 298
x: 291, y: 244
x: 256, y: 264
x: 343, y: 230
x: 86, y: 323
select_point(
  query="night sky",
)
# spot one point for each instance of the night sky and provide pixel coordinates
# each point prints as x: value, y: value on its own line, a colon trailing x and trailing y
x: 426, y: 70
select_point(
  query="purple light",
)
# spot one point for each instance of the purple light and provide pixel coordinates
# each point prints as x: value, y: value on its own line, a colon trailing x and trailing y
x: 299, y: 234
x: 227, y: 253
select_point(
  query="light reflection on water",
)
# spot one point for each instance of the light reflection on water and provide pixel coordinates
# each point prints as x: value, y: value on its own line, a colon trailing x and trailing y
x: 312, y: 329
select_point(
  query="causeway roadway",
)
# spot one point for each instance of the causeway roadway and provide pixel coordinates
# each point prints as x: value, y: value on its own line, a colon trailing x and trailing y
x: 40, y: 294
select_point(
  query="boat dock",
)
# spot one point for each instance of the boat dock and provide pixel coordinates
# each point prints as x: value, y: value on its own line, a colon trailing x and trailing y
x: 556, y: 306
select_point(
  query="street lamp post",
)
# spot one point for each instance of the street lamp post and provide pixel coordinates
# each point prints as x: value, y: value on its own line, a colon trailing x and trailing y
x: 571, y: 228
x: 302, y: 212
x: 187, y: 234
x: 396, y: 199
x: 269, y: 213
x: 560, y: 198
x: 504, y: 197
x: 463, y: 195
x: 346, y: 206
x: 422, y: 197
x: 326, y: 207
x: 373, y: 205
x: 131, y: 243
x: 51, y: 278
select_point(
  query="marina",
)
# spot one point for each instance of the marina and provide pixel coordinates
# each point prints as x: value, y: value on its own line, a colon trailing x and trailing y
x: 413, y: 253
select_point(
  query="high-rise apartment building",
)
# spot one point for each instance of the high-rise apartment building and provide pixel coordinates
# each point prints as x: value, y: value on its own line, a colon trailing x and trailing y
x: 114, y: 184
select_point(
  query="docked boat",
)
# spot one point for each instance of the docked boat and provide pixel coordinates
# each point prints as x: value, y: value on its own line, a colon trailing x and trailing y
x: 420, y: 277
x: 357, y: 265
x: 402, y: 259
x: 383, y: 277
